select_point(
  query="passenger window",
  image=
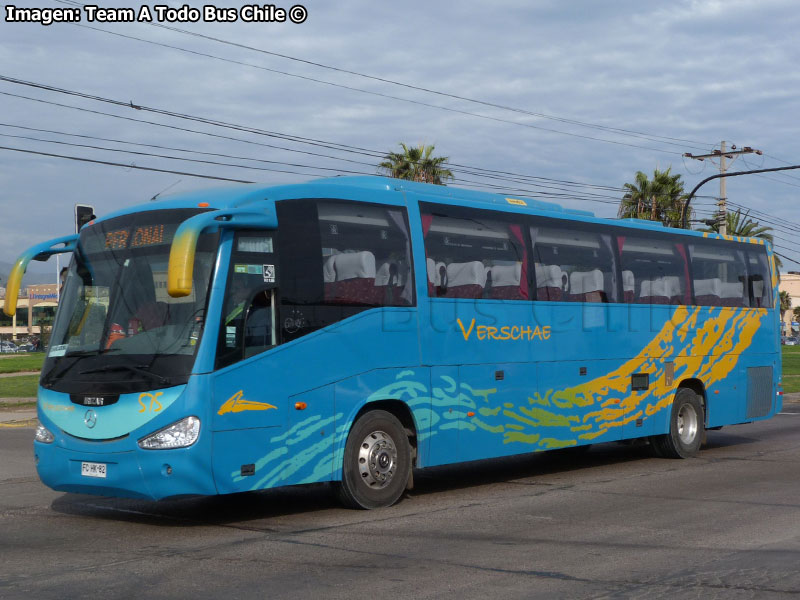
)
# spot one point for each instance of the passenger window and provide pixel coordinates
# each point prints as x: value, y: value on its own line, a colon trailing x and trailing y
x: 654, y: 270
x: 366, y: 257
x: 719, y: 274
x: 473, y: 254
x: 573, y: 265
x: 338, y: 259
x: 759, y: 281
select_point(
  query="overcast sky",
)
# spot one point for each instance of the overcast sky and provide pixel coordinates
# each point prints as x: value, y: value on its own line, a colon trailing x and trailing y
x: 674, y: 76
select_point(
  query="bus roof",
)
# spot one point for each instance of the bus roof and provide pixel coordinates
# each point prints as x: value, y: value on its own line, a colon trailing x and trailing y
x: 226, y: 197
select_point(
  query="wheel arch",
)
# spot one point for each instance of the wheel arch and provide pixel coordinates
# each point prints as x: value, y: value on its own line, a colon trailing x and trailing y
x: 403, y: 413
x: 698, y: 388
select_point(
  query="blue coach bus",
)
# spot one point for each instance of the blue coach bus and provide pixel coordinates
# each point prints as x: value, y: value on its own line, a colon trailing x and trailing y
x: 351, y: 329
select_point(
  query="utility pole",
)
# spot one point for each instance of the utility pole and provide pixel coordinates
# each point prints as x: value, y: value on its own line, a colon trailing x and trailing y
x: 722, y: 154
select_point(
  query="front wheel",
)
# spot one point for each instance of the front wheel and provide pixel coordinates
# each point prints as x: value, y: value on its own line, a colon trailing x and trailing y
x: 686, y: 427
x: 377, y: 462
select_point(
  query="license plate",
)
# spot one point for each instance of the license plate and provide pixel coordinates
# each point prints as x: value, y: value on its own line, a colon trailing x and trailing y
x: 92, y: 469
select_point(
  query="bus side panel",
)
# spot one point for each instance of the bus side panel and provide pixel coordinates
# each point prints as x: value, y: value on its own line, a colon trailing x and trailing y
x: 500, y: 415
x: 443, y: 441
x: 277, y: 414
x: 406, y: 385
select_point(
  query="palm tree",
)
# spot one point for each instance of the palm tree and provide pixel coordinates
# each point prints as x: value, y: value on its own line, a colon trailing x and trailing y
x: 740, y: 224
x: 417, y: 163
x: 660, y: 199
x: 786, y: 303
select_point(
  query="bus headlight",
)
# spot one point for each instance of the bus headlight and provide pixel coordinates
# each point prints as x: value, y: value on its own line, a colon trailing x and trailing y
x: 180, y: 434
x: 43, y: 435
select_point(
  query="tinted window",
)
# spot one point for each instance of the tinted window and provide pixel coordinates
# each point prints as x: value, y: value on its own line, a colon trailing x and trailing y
x: 654, y: 270
x: 573, y: 264
x: 340, y: 258
x: 719, y: 273
x: 759, y: 281
x: 248, y: 314
x: 366, y: 256
x: 474, y: 254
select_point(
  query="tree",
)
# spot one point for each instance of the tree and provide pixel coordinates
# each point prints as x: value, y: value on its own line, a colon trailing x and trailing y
x: 740, y: 224
x: 660, y: 199
x: 417, y: 163
x: 786, y: 303
x: 796, y: 313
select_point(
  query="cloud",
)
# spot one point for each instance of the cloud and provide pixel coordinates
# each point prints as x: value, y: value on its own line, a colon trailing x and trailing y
x: 696, y: 71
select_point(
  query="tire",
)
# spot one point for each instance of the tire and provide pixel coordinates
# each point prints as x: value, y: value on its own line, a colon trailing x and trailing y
x: 377, y: 462
x: 686, y: 427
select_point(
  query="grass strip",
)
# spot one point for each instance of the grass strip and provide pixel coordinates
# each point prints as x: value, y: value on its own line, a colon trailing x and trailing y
x: 22, y: 362
x: 24, y: 386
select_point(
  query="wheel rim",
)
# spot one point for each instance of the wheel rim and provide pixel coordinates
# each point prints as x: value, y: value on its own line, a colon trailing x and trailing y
x: 377, y: 460
x: 687, y: 424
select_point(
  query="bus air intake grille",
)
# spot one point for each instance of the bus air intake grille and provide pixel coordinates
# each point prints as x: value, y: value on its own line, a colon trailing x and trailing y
x: 759, y: 391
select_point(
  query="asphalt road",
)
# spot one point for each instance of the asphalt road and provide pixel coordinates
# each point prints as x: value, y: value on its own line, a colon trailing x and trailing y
x: 610, y: 523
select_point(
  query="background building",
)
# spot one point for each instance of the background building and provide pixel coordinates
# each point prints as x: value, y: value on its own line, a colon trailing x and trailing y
x: 35, y: 308
x: 790, y: 283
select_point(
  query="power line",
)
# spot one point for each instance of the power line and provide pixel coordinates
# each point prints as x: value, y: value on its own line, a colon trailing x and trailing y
x: 184, y: 129
x: 757, y: 213
x: 209, y: 162
x: 188, y: 117
x: 615, y: 130
x: 297, y: 139
x: 126, y: 166
x: 562, y: 196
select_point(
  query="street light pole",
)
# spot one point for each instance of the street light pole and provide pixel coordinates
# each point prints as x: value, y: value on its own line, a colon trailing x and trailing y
x: 684, y: 219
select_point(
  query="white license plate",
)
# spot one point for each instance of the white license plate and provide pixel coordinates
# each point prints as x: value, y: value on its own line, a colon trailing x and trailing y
x: 92, y: 469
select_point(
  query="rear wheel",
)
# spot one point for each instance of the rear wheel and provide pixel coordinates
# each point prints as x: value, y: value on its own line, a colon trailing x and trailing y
x: 686, y: 429
x: 377, y: 462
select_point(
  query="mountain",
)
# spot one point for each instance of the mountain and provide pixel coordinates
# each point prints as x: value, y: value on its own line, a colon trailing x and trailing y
x: 37, y: 273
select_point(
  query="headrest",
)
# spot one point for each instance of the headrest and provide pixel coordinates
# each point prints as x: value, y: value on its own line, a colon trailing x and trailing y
x: 506, y: 275
x: 328, y: 270
x: 435, y: 271
x: 628, y: 281
x: 584, y: 282
x: 549, y: 276
x: 707, y: 287
x: 672, y: 286
x: 352, y: 265
x: 468, y: 273
x: 384, y: 274
x: 732, y: 290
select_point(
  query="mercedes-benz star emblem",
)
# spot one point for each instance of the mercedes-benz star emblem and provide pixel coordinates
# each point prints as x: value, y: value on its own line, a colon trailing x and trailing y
x: 90, y: 418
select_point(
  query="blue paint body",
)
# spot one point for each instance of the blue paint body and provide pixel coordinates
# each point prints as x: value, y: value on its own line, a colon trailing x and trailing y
x: 425, y: 357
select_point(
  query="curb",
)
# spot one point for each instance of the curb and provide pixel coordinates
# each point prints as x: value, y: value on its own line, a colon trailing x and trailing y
x: 27, y: 423
x: 19, y: 374
x: 13, y: 401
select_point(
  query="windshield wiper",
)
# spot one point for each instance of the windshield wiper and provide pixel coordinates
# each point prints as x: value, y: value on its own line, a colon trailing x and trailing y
x: 75, y: 354
x: 141, y: 369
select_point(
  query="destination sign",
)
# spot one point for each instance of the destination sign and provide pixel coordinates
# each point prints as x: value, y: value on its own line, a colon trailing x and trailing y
x: 137, y: 237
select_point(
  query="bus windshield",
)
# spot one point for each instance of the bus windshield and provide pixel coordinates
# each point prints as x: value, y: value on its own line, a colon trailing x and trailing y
x: 117, y: 329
